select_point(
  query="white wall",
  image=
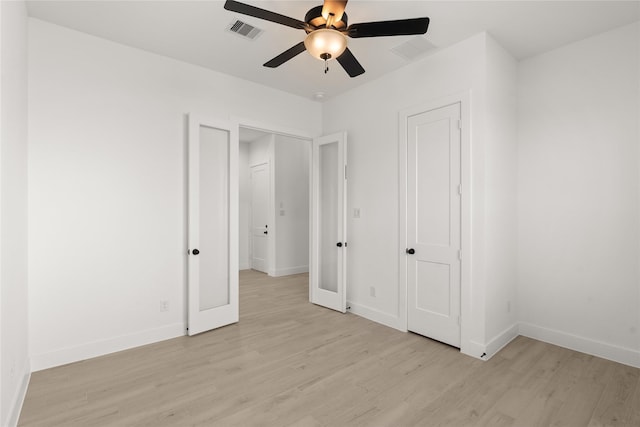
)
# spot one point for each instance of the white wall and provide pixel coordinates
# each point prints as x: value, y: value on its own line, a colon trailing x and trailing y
x: 261, y: 150
x: 500, y: 197
x: 578, y: 234
x: 369, y: 114
x: 14, y: 359
x: 291, y: 168
x: 244, y: 201
x: 107, y: 186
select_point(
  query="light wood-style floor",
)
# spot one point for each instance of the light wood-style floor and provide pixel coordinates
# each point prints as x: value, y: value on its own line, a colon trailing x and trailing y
x: 290, y: 363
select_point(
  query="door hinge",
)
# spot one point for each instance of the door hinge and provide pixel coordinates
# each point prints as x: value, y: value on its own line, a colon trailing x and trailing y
x: 460, y: 189
x: 460, y: 254
x: 459, y: 124
x: 458, y: 320
x: 345, y: 171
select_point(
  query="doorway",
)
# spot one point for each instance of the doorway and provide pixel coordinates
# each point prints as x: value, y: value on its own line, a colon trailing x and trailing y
x: 274, y: 202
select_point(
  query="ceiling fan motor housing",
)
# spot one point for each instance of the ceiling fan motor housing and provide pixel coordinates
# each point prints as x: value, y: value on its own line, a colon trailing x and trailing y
x: 314, y: 18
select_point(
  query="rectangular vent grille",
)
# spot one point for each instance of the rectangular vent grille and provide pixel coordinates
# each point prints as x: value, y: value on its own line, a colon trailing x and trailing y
x: 414, y: 48
x: 243, y: 29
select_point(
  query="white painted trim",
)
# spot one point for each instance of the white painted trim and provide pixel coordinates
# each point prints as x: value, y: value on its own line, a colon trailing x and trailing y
x: 626, y: 356
x: 103, y: 347
x: 16, y: 406
x: 271, y: 213
x: 271, y: 128
x: 290, y: 270
x: 467, y: 346
x: 501, y: 340
x: 377, y: 316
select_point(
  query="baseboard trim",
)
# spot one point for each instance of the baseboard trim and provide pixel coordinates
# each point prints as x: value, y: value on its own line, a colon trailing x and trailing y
x: 376, y: 316
x: 501, y: 340
x: 102, y: 347
x: 623, y: 355
x: 279, y: 272
x: 18, y: 401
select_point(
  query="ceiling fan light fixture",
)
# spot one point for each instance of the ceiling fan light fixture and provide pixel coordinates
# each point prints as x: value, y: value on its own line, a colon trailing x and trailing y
x: 325, y: 41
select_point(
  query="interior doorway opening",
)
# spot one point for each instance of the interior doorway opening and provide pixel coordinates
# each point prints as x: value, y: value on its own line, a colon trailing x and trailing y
x: 274, y: 201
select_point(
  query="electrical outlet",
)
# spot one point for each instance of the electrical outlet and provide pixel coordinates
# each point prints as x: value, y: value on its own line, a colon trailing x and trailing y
x: 164, y: 305
x: 372, y: 291
x: 356, y: 212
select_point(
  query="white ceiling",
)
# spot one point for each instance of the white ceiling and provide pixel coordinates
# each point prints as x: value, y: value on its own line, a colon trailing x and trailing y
x: 194, y: 32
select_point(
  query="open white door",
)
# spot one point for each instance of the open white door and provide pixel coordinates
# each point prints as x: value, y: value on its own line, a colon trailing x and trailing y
x: 328, y: 222
x: 213, y: 224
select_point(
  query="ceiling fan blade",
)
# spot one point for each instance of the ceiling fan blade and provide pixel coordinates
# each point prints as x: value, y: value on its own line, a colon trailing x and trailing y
x: 334, y: 7
x: 285, y: 56
x: 256, y: 12
x: 400, y: 27
x: 350, y: 63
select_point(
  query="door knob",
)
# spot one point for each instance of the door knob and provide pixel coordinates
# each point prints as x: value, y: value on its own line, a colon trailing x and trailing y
x: 339, y: 244
x: 265, y: 232
x: 410, y: 251
x: 195, y: 252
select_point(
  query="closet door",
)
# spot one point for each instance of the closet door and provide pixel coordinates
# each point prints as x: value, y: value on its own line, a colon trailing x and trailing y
x: 213, y: 224
x: 433, y: 224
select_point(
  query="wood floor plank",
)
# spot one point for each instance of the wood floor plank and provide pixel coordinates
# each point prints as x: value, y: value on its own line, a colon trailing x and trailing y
x: 291, y: 363
x: 615, y: 405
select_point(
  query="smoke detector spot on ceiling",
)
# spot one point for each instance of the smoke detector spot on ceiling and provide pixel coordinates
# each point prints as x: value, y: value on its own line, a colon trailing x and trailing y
x: 244, y: 30
x: 413, y: 48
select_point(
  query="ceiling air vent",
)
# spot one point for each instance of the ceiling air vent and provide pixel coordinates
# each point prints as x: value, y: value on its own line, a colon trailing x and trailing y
x: 413, y: 48
x: 243, y: 29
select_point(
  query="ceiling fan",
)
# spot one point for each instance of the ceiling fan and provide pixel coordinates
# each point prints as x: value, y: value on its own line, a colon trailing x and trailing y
x: 327, y: 31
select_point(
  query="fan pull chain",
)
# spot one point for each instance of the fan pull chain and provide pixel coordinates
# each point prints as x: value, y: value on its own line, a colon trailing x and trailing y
x: 326, y: 57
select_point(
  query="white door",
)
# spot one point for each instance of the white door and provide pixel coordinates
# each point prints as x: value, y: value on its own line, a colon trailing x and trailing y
x: 259, y: 217
x: 433, y: 224
x: 213, y: 225
x: 327, y: 279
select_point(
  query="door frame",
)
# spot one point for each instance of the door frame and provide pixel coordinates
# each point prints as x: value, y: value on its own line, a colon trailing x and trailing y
x: 464, y: 99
